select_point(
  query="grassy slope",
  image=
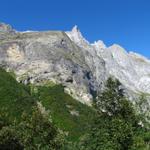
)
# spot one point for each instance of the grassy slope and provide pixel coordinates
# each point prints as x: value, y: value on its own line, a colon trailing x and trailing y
x: 60, y: 105
x: 16, y: 98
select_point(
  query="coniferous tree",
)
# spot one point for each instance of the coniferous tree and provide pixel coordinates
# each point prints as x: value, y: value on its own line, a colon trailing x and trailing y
x: 116, y: 124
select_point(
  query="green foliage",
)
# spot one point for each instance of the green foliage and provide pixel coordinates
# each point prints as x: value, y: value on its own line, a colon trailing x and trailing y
x: 9, y: 139
x: 109, y: 133
x: 142, y: 107
x: 14, y: 97
x: 141, y: 140
x: 35, y: 132
x: 110, y: 100
x: 60, y: 105
x: 116, y: 125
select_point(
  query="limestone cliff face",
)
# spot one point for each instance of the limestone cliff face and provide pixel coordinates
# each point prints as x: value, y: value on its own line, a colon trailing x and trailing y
x: 67, y: 58
x: 133, y: 70
x: 38, y: 57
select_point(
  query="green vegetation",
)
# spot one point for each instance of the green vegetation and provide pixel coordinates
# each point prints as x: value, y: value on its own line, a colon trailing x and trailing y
x: 32, y: 133
x: 17, y: 99
x: 46, y: 118
x: 61, y: 105
x: 117, y: 125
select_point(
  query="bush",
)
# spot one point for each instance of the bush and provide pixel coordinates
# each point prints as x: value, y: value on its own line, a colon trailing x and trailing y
x: 34, y: 132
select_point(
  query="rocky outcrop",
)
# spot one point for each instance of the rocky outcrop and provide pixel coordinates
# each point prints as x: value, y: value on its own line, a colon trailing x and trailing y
x: 69, y: 59
x: 51, y: 56
x: 133, y: 70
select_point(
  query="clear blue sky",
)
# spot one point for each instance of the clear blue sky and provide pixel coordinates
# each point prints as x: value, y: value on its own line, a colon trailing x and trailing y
x: 125, y: 22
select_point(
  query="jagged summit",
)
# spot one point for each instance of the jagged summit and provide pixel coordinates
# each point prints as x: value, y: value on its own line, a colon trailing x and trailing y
x: 130, y: 68
x: 75, y: 29
x: 99, y: 44
x: 82, y: 67
x: 76, y: 36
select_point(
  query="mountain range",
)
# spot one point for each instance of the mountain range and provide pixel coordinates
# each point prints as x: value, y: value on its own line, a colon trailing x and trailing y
x: 67, y: 58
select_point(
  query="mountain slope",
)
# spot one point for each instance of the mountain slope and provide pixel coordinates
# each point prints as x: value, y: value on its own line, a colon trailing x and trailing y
x: 51, y: 56
x: 15, y: 98
x: 131, y: 69
x: 68, y: 114
x: 67, y: 58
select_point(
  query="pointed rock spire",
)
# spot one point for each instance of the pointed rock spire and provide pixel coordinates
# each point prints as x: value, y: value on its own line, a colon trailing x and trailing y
x: 75, y: 29
x: 76, y: 36
x: 76, y: 33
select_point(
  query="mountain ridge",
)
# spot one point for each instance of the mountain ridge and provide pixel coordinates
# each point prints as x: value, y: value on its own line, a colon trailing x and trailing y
x: 123, y: 58
x: 68, y: 58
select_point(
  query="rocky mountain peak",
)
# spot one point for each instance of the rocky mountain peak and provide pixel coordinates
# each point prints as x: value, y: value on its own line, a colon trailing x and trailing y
x: 80, y: 66
x: 76, y: 36
x: 131, y: 69
x: 75, y: 29
x: 118, y: 52
x: 99, y: 44
x: 5, y: 28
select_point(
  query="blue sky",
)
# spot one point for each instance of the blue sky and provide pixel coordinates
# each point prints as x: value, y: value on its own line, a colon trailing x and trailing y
x: 125, y: 22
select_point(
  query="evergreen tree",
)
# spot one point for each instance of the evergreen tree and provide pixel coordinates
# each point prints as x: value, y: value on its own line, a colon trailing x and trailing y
x: 116, y: 124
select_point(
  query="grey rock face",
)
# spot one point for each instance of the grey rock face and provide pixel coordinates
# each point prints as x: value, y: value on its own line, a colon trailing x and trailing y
x: 131, y: 69
x: 69, y: 59
x: 95, y: 62
x: 5, y: 28
x: 37, y: 57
